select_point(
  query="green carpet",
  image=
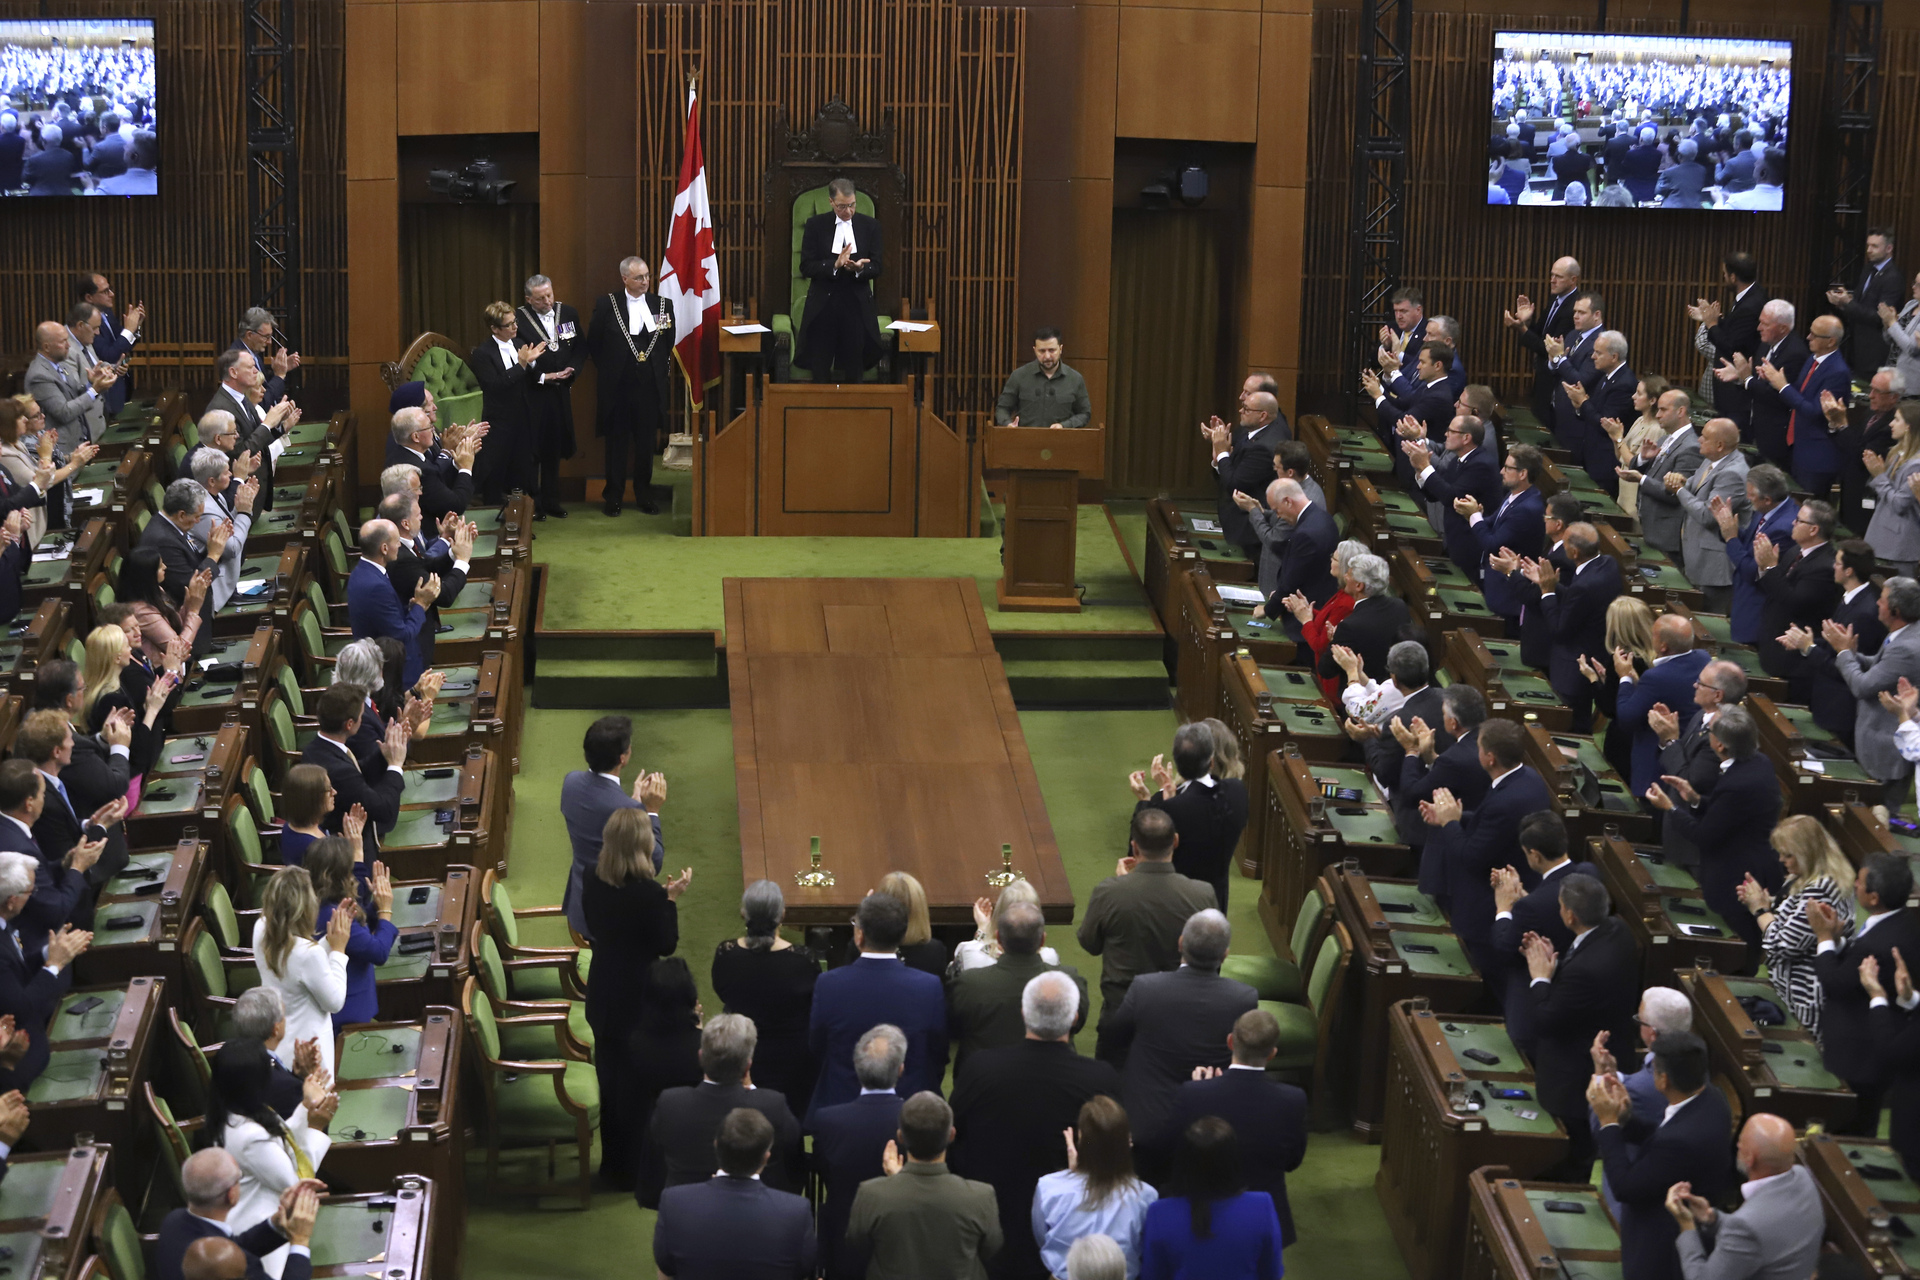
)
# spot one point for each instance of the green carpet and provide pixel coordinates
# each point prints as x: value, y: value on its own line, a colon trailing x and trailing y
x: 631, y: 573
x: 1082, y: 759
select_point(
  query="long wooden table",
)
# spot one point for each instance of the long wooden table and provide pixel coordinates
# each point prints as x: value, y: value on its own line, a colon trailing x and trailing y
x: 874, y: 714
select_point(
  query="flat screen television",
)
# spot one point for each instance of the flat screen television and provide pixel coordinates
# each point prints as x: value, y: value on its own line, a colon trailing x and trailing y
x: 78, y: 110
x: 1638, y: 122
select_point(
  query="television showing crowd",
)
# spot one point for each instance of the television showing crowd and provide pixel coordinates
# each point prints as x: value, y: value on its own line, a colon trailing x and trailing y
x: 77, y: 118
x: 1625, y: 126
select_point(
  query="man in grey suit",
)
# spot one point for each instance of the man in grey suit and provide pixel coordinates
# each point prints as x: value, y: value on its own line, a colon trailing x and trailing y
x: 1776, y: 1232
x: 1679, y: 454
x: 67, y: 384
x: 1870, y: 675
x: 588, y: 797
x: 1721, y: 479
x: 1171, y: 1023
x: 1680, y: 186
x: 1291, y: 461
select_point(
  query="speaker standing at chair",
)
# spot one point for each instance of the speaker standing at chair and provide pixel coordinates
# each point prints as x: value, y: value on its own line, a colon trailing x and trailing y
x: 840, y: 254
x: 631, y: 342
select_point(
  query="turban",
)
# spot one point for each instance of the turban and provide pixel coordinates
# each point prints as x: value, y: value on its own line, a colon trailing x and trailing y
x: 408, y: 395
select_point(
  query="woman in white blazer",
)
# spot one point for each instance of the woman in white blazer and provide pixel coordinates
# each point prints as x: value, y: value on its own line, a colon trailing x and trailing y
x: 273, y: 1154
x: 309, y: 977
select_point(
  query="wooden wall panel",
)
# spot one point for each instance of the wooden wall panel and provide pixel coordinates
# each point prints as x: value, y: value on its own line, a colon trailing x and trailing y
x: 372, y: 92
x: 952, y: 78
x: 568, y: 99
x: 1187, y: 73
x: 477, y: 66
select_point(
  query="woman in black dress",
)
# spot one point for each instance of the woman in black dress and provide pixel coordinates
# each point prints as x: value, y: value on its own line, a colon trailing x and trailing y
x: 768, y: 979
x: 1629, y: 627
x: 635, y: 921
x: 918, y: 948
x: 665, y: 1047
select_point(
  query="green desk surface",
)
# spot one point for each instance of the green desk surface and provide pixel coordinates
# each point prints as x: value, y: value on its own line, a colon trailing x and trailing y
x: 1425, y: 910
x: 1464, y: 601
x: 1585, y: 751
x: 1374, y: 463
x: 1748, y: 660
x: 458, y: 680
x: 1529, y: 687
x: 1249, y: 629
x: 399, y: 968
x: 487, y: 545
x: 176, y: 795
x: 232, y: 649
x: 1592, y: 1231
x: 418, y: 788
x: 185, y: 744
x: 297, y: 456
x: 466, y: 624
x: 1355, y: 438
x: 10, y: 654
x: 1358, y: 825
x: 475, y: 595
x: 1446, y: 573
x: 124, y: 432
x: 22, y: 1252
x: 1878, y: 1159
x: 416, y: 829
x: 1491, y: 1036
x: 1448, y: 961
x: 1398, y: 500
x: 1537, y: 436
x: 1801, y: 718
x: 210, y: 694
x: 351, y: 1234
x: 1668, y: 876
x: 370, y: 1115
x: 1402, y: 525
x: 140, y: 868
x: 1291, y: 684
x: 308, y: 433
x: 1718, y: 626
x: 71, y: 1074
x: 1844, y: 771
x: 95, y: 1024
x: 1211, y: 545
x: 1694, y: 913
x: 1505, y: 654
x: 1764, y: 990
x: 1798, y: 1065
x: 412, y: 915
x: 1347, y: 775
x: 276, y: 521
x: 289, y: 495
x: 1308, y: 718
x: 145, y: 908
x: 44, y: 573
x: 29, y: 1189
x: 96, y: 475
x: 1503, y: 1116
x: 371, y: 1055
x: 450, y: 718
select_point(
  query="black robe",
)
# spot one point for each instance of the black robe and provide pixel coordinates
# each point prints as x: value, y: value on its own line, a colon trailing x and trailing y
x: 838, y: 298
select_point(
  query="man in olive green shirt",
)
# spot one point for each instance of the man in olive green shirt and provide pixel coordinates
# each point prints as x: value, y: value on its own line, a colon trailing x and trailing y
x: 1045, y: 393
x: 983, y: 1005
x: 922, y: 1221
x: 1134, y: 917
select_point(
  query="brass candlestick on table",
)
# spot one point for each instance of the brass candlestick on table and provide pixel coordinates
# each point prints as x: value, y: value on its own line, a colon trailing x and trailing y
x: 1006, y: 875
x: 815, y: 876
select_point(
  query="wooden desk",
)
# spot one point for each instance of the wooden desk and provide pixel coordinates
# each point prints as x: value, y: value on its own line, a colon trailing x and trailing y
x: 1442, y: 597
x: 408, y: 983
x: 1433, y: 1133
x: 388, y: 1233
x: 874, y: 714
x: 1267, y: 707
x: 1861, y: 1180
x: 1305, y: 832
x: 1655, y: 897
x: 100, y: 1058
x: 163, y: 888
x: 1860, y: 834
x: 1385, y: 916
x: 1513, y: 1236
x: 1778, y: 1068
x: 1591, y: 797
x: 47, y: 631
x: 274, y: 599
x: 1785, y: 732
x: 67, y: 579
x: 1205, y: 631
x: 1173, y: 539
x: 182, y: 795
x: 1514, y: 691
x: 421, y: 846
x: 47, y: 1209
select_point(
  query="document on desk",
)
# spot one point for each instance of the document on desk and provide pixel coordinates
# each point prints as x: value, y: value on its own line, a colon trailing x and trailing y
x: 88, y: 497
x: 740, y: 329
x: 1239, y: 595
x: 1203, y: 525
x: 910, y: 326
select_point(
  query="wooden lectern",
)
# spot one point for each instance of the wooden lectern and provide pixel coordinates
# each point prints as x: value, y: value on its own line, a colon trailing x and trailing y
x: 1043, y: 467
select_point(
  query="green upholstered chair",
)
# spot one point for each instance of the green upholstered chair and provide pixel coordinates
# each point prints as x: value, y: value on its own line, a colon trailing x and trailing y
x: 188, y: 1075
x: 1277, y: 977
x: 444, y: 369
x: 786, y: 328
x: 541, y: 1102
x: 533, y: 973
x: 172, y: 1141
x: 1306, y: 1030
x: 534, y: 1028
x: 116, y: 1240
x: 213, y: 981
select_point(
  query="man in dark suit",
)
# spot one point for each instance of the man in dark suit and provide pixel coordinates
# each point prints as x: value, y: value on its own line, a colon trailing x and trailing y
x: 1269, y: 1118
x: 448, y: 557
x: 1572, y: 362
x: 212, y: 1183
x: 504, y: 367
x: 1172, y: 1022
x: 1880, y: 282
x: 679, y: 1145
x: 1689, y: 1143
x: 1797, y: 583
x: 275, y: 362
x: 1563, y: 510
x: 13, y: 152
x: 1012, y: 1103
x: 1881, y: 889
x: 32, y: 978
x: 375, y: 783
x: 1243, y: 463
x: 1686, y: 745
x: 1442, y: 754
x: 1363, y: 651
x: 1571, y: 997
x: 445, y: 464
x: 1428, y: 400
x: 1738, y: 172
x: 118, y: 334
x: 1208, y: 815
x: 87, y: 776
x: 1535, y: 324
x: 1640, y: 169
x: 1516, y: 524
x: 238, y: 372
x: 1475, y: 474
x: 1734, y: 331
x: 840, y: 255
x: 850, y: 1138
x: 1470, y: 844
x: 185, y: 555
x: 1384, y: 751
x: 1575, y: 606
x: 61, y: 895
x: 1571, y: 165
x: 1604, y: 395
x: 631, y: 341
x: 1669, y: 682
x: 1731, y: 824
x: 550, y: 394
x: 107, y: 156
x: 735, y: 1225
x: 1518, y: 912
x: 876, y: 988
x: 372, y: 607
x: 50, y: 171
x: 1812, y: 678
x: 984, y: 1009
x: 1872, y: 432
x: 1306, y: 565
x: 588, y: 797
x: 1814, y: 460
x: 1680, y: 186
x: 1767, y: 414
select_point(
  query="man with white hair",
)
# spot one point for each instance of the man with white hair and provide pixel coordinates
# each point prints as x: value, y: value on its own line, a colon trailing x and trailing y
x: 400, y: 478
x: 260, y: 1014
x: 1681, y: 186
x: 1604, y: 395
x: 1170, y: 1023
x: 550, y: 393
x: 851, y: 1138
x: 227, y: 502
x: 211, y: 1180
x: 50, y: 171
x: 1306, y: 565
x: 32, y: 980
x: 1011, y: 1105
x: 631, y: 341
x: 1662, y: 1009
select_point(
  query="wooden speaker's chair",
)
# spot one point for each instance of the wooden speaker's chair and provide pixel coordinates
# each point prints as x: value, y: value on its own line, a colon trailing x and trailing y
x: 435, y: 360
x: 832, y: 146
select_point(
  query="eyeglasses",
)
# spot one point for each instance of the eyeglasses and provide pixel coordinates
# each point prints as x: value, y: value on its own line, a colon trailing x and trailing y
x: 1511, y: 466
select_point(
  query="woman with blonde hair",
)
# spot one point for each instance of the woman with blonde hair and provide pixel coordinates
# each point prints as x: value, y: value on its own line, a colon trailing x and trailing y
x: 1226, y: 750
x: 983, y: 948
x: 1629, y: 627
x: 1629, y: 442
x: 1894, y: 530
x: 918, y: 947
x: 309, y: 977
x: 1816, y: 869
x: 105, y: 680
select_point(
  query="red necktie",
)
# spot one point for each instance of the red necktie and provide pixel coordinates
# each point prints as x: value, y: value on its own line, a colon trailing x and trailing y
x: 1794, y: 419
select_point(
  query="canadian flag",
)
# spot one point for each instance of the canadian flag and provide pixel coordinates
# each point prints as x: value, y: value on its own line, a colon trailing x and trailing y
x: 690, y: 273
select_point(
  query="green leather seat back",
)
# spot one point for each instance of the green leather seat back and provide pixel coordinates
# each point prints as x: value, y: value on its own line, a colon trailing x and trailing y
x: 454, y: 387
x: 806, y: 205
